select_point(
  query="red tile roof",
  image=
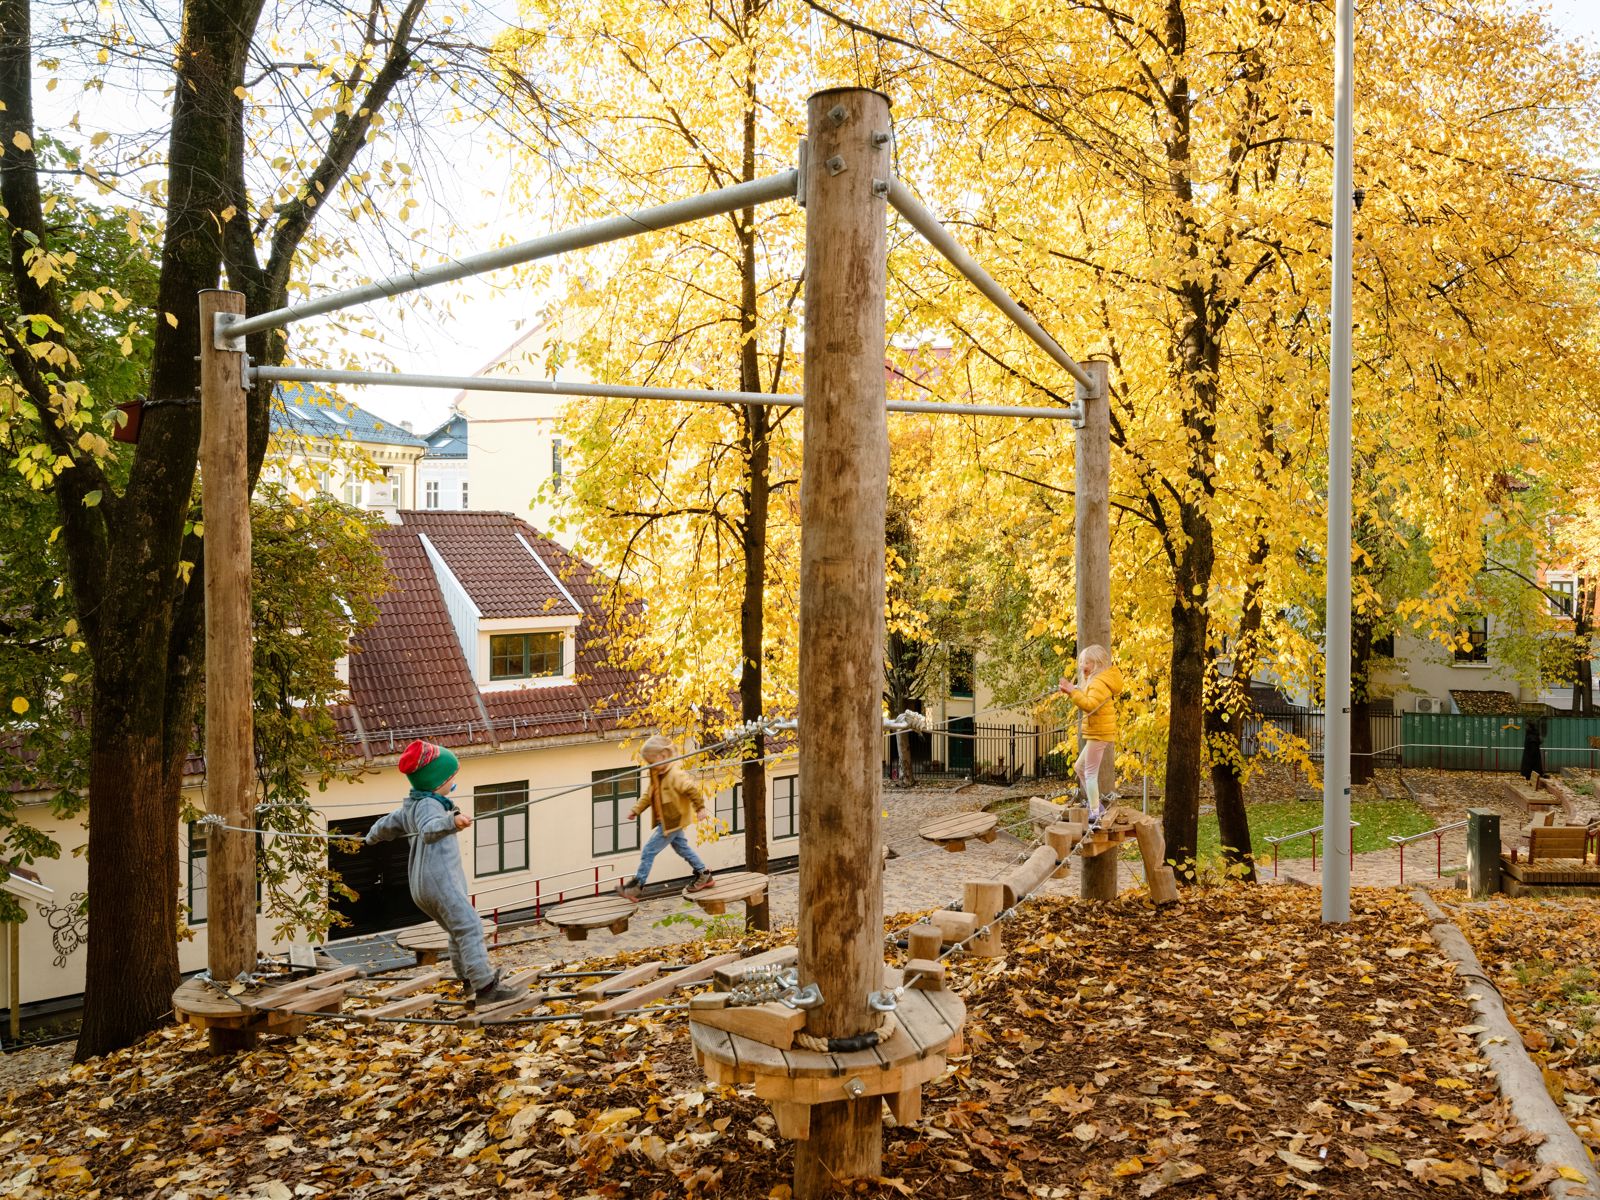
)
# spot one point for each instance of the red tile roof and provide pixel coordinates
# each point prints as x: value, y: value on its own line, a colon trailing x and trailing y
x: 503, y: 563
x: 409, y: 677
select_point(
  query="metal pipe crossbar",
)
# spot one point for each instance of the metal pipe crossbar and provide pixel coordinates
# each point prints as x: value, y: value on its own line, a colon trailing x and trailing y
x: 598, y: 233
x: 547, y: 387
x: 928, y: 225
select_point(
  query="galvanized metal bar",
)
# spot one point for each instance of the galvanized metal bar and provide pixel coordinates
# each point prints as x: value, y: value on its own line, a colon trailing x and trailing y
x: 929, y: 226
x: 662, y: 216
x: 608, y: 391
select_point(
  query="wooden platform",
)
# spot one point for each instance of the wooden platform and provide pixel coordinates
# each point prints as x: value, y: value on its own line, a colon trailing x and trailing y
x: 429, y: 942
x: 1525, y: 878
x: 953, y: 832
x: 576, y: 918
x: 736, y: 887
x: 929, y: 1030
x: 278, y: 1008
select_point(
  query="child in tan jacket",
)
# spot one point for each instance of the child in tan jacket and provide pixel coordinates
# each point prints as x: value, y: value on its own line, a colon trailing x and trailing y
x: 675, y: 801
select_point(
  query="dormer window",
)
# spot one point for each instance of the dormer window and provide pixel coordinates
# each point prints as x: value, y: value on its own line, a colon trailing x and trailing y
x: 525, y: 655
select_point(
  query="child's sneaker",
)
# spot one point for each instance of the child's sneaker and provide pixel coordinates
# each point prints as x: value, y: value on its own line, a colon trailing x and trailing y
x: 496, y: 993
x: 701, y: 882
x: 629, y: 889
x: 1096, y: 817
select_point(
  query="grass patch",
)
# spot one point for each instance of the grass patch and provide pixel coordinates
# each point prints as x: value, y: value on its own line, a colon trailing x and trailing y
x: 1379, y: 819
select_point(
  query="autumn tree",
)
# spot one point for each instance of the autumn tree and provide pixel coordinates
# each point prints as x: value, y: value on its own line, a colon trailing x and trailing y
x: 270, y: 105
x: 1153, y: 178
x: 693, y: 507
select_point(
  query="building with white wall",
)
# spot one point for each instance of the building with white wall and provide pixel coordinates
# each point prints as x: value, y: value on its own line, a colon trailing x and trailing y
x: 489, y: 642
x: 321, y: 443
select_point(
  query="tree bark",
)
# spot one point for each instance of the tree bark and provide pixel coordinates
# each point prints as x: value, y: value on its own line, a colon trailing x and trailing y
x: 1582, y: 631
x: 1360, y: 699
x: 753, y: 529
x: 1180, y: 818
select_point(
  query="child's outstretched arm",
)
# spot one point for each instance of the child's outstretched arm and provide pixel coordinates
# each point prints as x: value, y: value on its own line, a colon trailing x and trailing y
x: 386, y: 828
x: 435, y: 822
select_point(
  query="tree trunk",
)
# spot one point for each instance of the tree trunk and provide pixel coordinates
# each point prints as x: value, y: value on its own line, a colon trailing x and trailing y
x: 753, y: 531
x: 1180, y: 821
x: 1223, y: 720
x: 1582, y: 630
x: 135, y: 768
x: 1360, y: 699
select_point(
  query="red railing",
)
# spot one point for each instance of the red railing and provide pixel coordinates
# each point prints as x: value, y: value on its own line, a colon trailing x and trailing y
x: 1438, y: 845
x: 1313, y: 834
x: 587, y: 883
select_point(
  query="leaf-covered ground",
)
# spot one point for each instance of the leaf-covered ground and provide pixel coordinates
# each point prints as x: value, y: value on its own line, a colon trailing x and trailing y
x: 1544, y: 957
x: 1230, y: 1047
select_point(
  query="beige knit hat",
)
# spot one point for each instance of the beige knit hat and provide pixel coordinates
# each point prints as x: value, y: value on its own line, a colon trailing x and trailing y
x: 656, y: 748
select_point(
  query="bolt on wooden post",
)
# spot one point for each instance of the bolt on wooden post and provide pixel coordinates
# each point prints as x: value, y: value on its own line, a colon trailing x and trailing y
x: 843, y: 496
x: 1092, y: 565
x: 230, y: 735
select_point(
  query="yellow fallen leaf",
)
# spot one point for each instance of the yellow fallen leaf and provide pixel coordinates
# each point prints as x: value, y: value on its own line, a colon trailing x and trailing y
x: 1448, y: 1112
x: 1572, y: 1173
x: 1128, y: 1166
x: 1384, y: 1154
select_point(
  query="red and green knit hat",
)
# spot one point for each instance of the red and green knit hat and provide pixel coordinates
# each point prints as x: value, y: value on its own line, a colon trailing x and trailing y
x: 427, y: 766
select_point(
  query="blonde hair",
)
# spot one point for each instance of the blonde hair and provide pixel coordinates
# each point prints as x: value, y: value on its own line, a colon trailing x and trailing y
x: 656, y: 748
x: 1093, y: 658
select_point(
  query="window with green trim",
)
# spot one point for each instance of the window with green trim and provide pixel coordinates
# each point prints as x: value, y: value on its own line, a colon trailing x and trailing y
x: 524, y: 655
x: 786, y: 806
x: 500, y: 823
x: 612, y: 794
x: 197, y: 873
x: 728, y: 808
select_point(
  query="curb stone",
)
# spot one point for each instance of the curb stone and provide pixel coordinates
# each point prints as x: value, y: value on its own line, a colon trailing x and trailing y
x: 1521, y: 1082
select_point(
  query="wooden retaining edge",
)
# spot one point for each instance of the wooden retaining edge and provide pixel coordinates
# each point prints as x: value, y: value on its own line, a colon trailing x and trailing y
x: 1520, y: 1081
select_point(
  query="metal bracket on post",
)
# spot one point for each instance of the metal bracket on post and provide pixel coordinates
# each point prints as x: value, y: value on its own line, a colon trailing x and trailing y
x: 800, y: 174
x: 1076, y: 415
x: 220, y: 339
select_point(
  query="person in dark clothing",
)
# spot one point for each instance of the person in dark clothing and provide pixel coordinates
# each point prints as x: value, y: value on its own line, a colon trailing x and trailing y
x: 1532, y: 748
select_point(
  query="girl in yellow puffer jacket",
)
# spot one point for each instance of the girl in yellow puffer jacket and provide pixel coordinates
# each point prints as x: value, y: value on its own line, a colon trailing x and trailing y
x: 1097, y: 697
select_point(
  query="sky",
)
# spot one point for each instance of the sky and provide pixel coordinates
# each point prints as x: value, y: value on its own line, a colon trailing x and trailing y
x: 471, y: 184
x: 487, y: 317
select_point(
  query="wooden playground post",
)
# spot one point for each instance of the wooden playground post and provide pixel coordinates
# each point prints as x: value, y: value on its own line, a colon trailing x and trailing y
x: 843, y: 496
x: 1092, y: 567
x: 230, y: 737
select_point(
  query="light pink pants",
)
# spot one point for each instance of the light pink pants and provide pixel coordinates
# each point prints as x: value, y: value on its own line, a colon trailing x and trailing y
x: 1088, y: 771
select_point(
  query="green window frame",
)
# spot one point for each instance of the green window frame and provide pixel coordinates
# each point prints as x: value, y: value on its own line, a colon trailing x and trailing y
x: 500, y: 828
x: 786, y: 807
x: 525, y: 655
x: 612, y: 794
x: 728, y: 806
x: 196, y: 891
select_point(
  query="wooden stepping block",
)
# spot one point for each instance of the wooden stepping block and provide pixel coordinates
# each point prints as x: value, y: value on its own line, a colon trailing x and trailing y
x: 792, y: 1081
x: 727, y: 978
x: 576, y: 918
x: 953, y: 832
x: 734, y: 888
x: 430, y: 942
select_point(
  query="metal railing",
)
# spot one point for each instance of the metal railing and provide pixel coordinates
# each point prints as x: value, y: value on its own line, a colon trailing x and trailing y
x: 586, y: 882
x: 1437, y: 835
x: 1313, y: 834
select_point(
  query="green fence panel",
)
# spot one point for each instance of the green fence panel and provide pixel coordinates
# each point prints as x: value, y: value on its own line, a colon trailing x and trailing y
x: 1465, y: 742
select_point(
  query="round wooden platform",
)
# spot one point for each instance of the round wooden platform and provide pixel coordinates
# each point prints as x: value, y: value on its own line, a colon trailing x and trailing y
x: 576, y: 918
x: 953, y: 832
x: 929, y: 1029
x: 429, y: 942
x: 733, y: 888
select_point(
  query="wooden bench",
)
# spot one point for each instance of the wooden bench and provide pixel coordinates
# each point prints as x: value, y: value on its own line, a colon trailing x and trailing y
x: 576, y: 918
x: 734, y: 888
x: 1558, y: 841
x: 953, y: 832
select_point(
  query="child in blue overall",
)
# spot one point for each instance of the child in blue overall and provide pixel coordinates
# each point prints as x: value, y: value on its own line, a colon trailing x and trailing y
x: 438, y: 884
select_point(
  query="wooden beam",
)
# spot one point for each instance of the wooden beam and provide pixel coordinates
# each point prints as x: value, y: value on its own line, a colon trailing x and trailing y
x: 230, y: 738
x: 632, y: 977
x: 783, y: 956
x: 984, y: 899
x: 406, y: 986
x: 287, y: 991
x: 399, y: 1008
x: 844, y: 484
x: 654, y: 990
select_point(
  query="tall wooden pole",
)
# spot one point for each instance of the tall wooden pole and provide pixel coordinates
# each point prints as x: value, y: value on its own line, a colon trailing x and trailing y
x: 230, y: 737
x: 1092, y: 563
x: 843, y: 497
